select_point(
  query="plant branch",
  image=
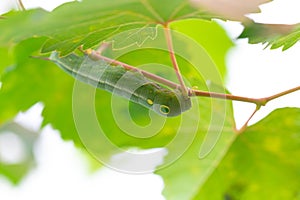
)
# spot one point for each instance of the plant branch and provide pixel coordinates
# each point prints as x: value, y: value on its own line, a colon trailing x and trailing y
x: 21, y: 5
x: 257, y: 101
x: 247, y: 122
x: 97, y: 55
x: 174, y: 61
x: 192, y: 92
x: 267, y: 99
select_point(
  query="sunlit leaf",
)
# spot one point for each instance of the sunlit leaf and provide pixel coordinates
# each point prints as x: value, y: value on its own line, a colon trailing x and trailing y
x: 274, y: 35
x: 89, y: 22
x: 33, y: 80
x: 262, y: 163
x: 187, y: 174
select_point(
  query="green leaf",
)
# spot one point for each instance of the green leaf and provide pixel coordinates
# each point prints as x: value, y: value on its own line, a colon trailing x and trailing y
x: 187, y: 174
x: 17, y: 168
x: 13, y: 92
x: 90, y: 22
x: 7, y: 60
x: 263, y: 162
x: 37, y: 80
x: 274, y: 35
x: 47, y: 83
x: 34, y: 80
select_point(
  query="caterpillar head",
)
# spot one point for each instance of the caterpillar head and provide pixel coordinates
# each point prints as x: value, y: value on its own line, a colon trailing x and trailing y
x: 170, y: 103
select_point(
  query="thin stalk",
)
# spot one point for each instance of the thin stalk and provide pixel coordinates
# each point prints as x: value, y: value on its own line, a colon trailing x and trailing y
x: 174, y: 61
x: 21, y: 5
x: 267, y: 99
x: 257, y: 101
x: 149, y: 75
x: 192, y: 92
x: 247, y: 122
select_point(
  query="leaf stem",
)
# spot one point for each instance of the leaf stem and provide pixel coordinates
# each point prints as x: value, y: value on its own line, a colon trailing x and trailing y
x: 193, y: 92
x: 174, y: 61
x: 226, y: 96
x: 21, y: 5
x: 97, y: 55
x: 267, y: 99
x: 241, y: 130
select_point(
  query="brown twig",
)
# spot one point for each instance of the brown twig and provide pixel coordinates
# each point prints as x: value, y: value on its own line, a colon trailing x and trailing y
x: 241, y: 130
x: 21, y: 5
x: 149, y: 75
x: 267, y: 99
x: 257, y: 101
x: 193, y: 92
x: 174, y: 61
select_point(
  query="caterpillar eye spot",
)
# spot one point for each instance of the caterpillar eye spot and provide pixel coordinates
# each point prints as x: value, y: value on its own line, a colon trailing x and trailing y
x: 164, y: 109
x: 149, y: 101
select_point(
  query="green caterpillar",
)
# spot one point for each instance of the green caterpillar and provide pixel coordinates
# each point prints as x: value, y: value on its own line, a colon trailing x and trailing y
x: 129, y: 84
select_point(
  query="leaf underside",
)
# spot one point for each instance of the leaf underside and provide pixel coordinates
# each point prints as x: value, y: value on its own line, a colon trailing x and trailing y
x: 90, y: 22
x: 46, y: 83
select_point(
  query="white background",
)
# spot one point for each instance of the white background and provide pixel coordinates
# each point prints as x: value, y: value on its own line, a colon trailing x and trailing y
x: 62, y: 172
